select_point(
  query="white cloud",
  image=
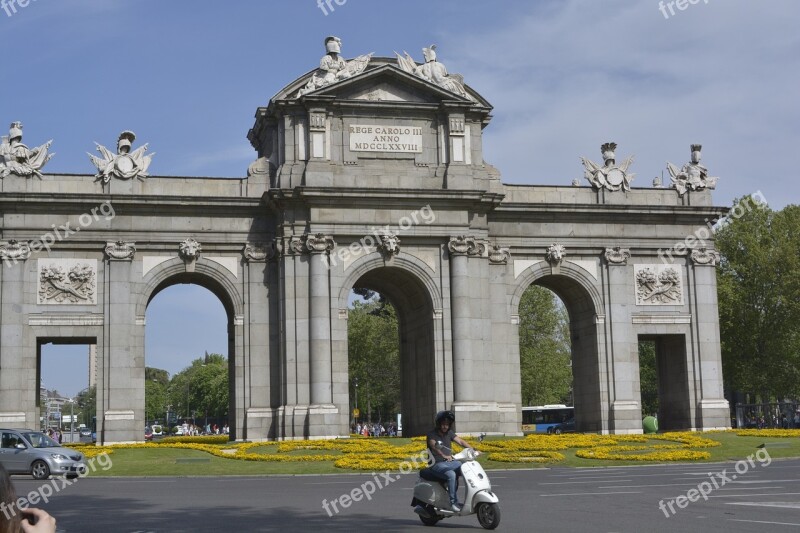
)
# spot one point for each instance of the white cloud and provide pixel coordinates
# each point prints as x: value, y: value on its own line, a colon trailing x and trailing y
x: 566, y: 77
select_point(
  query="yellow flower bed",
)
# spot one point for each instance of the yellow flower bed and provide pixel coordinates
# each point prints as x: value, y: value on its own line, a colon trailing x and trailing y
x: 376, y: 454
x: 527, y: 457
x: 613, y: 453
x: 778, y: 433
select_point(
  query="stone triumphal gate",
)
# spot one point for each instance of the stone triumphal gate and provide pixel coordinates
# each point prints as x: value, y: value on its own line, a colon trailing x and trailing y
x: 370, y: 173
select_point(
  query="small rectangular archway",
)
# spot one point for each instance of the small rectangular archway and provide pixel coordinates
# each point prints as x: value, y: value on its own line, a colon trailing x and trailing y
x: 672, y: 375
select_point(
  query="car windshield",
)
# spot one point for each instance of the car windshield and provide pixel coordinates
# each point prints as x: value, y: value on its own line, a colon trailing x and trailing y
x: 40, y: 440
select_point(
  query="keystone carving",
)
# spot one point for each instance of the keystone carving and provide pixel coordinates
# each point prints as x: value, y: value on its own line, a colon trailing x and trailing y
x: 555, y: 254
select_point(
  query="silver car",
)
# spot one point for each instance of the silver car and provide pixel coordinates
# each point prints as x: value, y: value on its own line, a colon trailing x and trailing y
x: 24, y: 451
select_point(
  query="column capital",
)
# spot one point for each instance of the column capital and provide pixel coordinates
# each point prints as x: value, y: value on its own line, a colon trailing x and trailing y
x: 617, y: 255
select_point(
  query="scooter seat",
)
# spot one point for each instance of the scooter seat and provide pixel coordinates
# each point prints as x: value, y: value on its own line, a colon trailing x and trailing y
x: 428, y: 474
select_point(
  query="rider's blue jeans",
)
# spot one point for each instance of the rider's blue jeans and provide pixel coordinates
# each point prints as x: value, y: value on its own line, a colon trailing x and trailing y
x: 448, y: 469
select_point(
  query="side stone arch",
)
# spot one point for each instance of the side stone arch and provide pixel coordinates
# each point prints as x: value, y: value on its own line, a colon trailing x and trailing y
x: 593, y: 379
x: 560, y: 284
x: 411, y: 287
x: 208, y: 274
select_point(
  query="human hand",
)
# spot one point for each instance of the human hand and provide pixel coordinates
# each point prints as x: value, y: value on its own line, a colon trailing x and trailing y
x: 43, y: 522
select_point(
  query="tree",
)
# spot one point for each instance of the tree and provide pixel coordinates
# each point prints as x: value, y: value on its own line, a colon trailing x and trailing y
x: 155, y: 393
x: 87, y: 402
x: 648, y: 377
x: 544, y: 348
x: 374, y: 357
x: 759, y: 300
x: 201, y: 389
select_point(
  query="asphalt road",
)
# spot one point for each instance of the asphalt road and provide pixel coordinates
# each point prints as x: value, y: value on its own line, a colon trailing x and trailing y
x: 757, y: 497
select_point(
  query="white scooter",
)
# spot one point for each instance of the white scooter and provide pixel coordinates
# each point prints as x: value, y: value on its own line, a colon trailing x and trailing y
x: 432, y: 501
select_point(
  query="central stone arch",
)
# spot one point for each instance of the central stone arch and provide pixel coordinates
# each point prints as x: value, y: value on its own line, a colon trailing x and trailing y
x: 408, y: 285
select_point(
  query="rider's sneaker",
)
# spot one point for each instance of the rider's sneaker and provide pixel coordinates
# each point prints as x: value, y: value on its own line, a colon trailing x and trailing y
x: 455, y: 507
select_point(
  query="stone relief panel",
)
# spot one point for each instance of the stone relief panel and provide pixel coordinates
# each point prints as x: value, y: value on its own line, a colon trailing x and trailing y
x: 658, y: 285
x: 67, y: 282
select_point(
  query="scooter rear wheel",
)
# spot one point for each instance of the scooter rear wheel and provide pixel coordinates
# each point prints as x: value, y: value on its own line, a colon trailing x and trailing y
x: 429, y: 520
x: 488, y: 515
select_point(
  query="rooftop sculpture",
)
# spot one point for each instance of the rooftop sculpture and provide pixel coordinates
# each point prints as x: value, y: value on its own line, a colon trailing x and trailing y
x: 16, y: 158
x: 692, y: 176
x: 333, y: 67
x: 433, y: 72
x: 124, y: 164
x: 610, y: 176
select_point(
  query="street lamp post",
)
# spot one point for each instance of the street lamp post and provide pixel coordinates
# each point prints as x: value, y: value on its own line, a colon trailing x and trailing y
x: 356, y: 418
x: 72, y: 419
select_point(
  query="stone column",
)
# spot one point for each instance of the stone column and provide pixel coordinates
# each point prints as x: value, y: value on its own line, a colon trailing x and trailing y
x: 460, y: 306
x: 320, y: 246
x: 123, y: 417
x: 623, y: 350
x: 17, y: 383
x: 714, y: 408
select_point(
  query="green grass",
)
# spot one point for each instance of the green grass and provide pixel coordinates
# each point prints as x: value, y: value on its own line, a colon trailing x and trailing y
x: 170, y: 462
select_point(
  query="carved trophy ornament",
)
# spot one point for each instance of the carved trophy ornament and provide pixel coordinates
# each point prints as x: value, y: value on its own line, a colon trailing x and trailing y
x: 74, y: 286
x: 16, y: 158
x: 433, y: 72
x: 333, y: 67
x: 692, y: 176
x: 658, y: 288
x: 124, y: 164
x: 609, y: 176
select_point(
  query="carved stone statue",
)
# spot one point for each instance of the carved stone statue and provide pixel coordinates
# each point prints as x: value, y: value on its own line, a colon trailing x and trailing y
x: 692, y: 176
x: 124, y: 164
x: 434, y: 72
x: 16, y: 158
x: 610, y: 176
x: 333, y: 67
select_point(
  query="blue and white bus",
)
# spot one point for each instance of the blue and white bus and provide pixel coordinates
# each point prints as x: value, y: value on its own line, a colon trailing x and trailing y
x: 540, y: 418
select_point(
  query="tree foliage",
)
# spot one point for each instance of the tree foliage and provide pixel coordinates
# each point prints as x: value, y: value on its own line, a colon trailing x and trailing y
x: 544, y: 346
x: 198, y: 391
x: 759, y: 301
x: 374, y: 358
x: 87, y: 403
x: 648, y: 378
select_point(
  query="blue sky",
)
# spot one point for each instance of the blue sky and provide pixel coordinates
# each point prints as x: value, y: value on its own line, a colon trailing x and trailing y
x: 564, y: 76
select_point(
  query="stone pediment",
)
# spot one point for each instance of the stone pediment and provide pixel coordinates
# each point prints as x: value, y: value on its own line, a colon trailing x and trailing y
x: 383, y: 81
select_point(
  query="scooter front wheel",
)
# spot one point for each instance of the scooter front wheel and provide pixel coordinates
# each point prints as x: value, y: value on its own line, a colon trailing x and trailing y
x: 488, y: 515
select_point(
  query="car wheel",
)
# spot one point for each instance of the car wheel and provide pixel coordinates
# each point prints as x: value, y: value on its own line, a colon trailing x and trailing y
x: 549, y: 431
x: 40, y: 470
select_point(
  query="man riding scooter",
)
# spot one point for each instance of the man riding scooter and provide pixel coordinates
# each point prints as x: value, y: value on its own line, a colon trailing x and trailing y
x: 440, y: 449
